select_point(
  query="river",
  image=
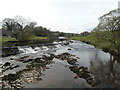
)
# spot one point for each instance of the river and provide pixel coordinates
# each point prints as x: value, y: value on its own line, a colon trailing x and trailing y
x: 103, y: 66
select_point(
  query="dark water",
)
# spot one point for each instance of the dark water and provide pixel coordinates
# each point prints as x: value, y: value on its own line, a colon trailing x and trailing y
x: 104, y: 67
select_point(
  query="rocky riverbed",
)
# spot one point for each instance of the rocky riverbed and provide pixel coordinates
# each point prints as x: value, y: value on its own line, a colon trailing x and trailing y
x: 67, y: 64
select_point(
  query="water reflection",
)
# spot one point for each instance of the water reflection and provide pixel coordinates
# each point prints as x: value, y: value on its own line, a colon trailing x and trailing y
x: 103, y: 66
x: 106, y: 73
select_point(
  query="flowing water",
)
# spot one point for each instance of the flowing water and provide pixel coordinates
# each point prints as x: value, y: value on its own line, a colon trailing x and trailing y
x: 104, y: 67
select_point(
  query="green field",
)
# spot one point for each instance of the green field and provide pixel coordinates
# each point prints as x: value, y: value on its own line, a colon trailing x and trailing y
x: 38, y: 38
x: 75, y: 38
x: 92, y: 40
x: 5, y: 39
x: 33, y: 40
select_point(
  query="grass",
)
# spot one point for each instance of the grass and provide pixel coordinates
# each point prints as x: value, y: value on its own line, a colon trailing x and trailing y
x: 38, y: 38
x: 75, y: 38
x: 9, y: 41
x: 5, y: 39
x: 91, y: 39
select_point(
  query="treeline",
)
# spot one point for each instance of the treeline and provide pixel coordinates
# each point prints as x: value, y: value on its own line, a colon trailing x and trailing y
x: 22, y: 29
x: 28, y: 32
x: 107, y: 33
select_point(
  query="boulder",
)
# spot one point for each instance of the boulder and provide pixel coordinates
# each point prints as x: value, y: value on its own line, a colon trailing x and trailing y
x: 7, y: 64
x: 69, y: 49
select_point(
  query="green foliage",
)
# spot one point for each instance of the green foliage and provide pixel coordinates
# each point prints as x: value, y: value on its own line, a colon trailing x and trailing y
x: 75, y: 38
x: 22, y: 36
x: 38, y: 38
x: 41, y: 31
x: 108, y: 30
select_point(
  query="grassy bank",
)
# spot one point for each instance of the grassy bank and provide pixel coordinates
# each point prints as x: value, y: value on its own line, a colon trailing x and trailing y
x: 75, y: 38
x: 91, y: 39
x: 38, y: 38
x: 10, y: 41
x: 5, y: 39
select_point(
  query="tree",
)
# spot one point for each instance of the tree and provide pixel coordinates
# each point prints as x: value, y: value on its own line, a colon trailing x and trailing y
x: 108, y: 29
x: 19, y: 27
x: 41, y: 31
x: 8, y: 24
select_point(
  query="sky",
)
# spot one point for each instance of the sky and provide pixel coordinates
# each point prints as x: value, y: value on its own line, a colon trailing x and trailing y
x: 73, y: 16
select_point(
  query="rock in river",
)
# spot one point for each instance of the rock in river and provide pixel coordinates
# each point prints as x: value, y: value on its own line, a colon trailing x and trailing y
x: 83, y: 72
x: 8, y: 51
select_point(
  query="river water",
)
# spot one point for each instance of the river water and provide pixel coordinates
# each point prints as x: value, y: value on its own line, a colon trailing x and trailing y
x: 104, y: 67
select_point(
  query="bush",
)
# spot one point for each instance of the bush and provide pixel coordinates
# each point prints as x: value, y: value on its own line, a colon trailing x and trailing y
x: 23, y: 36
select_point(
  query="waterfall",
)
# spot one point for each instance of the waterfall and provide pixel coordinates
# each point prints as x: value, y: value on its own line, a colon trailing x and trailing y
x: 26, y: 50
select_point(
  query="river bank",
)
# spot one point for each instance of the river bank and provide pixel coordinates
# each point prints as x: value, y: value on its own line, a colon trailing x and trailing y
x: 105, y: 46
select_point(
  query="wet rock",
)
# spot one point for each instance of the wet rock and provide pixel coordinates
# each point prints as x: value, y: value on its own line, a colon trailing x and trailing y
x: 47, y: 68
x: 17, y: 84
x: 31, y: 76
x: 14, y: 67
x: 11, y: 77
x: 52, y: 55
x: 24, y: 59
x: 7, y: 64
x: 29, y: 60
x: 91, y: 81
x: 39, y: 79
x: 71, y: 41
x: 67, y: 56
x: 69, y: 49
x: 63, y: 56
x: 83, y: 72
x: 77, y: 57
x: 47, y: 57
x: 11, y: 58
x: 67, y: 43
x: 75, y: 77
x: 39, y: 62
x: 26, y: 75
x: 72, y: 61
x: 74, y: 69
x: 8, y: 51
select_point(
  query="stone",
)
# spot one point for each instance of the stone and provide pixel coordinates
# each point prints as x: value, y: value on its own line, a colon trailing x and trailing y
x: 11, y: 58
x: 7, y: 64
x: 69, y: 49
x: 8, y: 51
x: 83, y: 72
x: 14, y: 67
x: 75, y: 77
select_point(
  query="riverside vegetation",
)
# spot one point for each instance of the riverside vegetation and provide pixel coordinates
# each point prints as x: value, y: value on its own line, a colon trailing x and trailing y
x: 107, y: 33
x: 19, y: 31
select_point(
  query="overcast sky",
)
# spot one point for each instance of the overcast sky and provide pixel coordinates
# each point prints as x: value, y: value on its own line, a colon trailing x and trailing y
x: 60, y: 15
